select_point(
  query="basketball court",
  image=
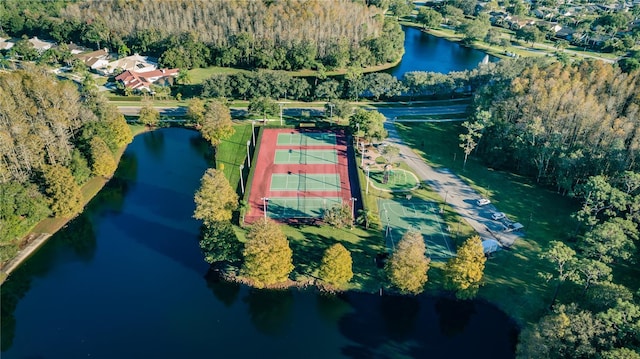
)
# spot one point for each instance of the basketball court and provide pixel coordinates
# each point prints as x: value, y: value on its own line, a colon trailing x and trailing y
x: 400, y: 216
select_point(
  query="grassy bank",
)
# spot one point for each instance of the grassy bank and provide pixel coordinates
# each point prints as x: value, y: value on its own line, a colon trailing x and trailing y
x: 231, y: 153
x: 512, y: 280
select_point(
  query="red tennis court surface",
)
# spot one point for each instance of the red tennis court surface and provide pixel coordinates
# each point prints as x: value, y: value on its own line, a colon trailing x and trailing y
x: 298, y: 192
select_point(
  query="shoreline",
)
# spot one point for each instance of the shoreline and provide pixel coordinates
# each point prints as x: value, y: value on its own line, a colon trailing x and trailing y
x: 31, y: 244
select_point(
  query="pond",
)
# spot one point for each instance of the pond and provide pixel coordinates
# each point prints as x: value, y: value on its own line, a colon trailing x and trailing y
x: 424, y: 52
x: 126, y: 279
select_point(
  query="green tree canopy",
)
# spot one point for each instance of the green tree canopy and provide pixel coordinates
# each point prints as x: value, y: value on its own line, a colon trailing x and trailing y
x: 219, y: 243
x: 463, y: 273
x: 216, y: 122
x: 429, y: 18
x: 340, y: 215
x: 102, y: 161
x: 65, y: 197
x: 148, y: 114
x: 268, y: 259
x: 370, y: 123
x: 407, y: 268
x: 215, y: 200
x: 336, y: 267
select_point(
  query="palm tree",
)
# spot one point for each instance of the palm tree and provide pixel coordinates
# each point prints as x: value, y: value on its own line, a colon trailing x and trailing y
x: 365, y: 217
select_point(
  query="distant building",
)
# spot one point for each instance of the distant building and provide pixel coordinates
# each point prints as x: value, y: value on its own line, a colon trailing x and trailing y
x: 134, y: 63
x: 5, y: 44
x: 95, y: 60
x: 142, y: 81
x: 39, y: 45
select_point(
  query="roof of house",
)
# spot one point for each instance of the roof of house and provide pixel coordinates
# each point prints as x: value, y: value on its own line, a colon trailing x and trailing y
x: 86, y: 56
x: 140, y: 80
x: 39, y: 44
x: 133, y: 63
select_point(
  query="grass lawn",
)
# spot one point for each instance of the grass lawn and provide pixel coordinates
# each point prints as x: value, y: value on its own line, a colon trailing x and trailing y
x: 231, y: 153
x: 512, y: 280
x: 309, y: 243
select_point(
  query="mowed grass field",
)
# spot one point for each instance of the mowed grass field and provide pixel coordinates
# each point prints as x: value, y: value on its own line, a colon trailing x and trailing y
x: 232, y: 152
x: 511, y: 276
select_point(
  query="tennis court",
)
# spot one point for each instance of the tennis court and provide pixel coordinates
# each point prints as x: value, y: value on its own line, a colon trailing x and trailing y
x: 307, y: 139
x: 305, y: 182
x: 299, y: 207
x: 399, y: 216
x: 309, y: 157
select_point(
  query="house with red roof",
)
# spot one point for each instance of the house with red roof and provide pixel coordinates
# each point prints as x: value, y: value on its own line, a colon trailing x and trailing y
x: 142, y: 81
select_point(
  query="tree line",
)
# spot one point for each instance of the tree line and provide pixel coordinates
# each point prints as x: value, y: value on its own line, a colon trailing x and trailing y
x: 353, y: 86
x: 560, y: 123
x: 53, y: 138
x: 573, y: 127
x: 287, y: 35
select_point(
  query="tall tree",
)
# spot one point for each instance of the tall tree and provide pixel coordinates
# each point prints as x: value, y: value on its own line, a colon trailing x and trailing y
x: 219, y: 243
x: 268, y: 259
x: 102, y: 161
x: 564, y: 259
x: 469, y: 140
x: 148, y: 114
x: 429, y: 18
x: 336, y: 267
x: 463, y: 273
x: 216, y: 122
x: 370, y: 123
x: 407, y: 268
x: 65, y: 197
x: 215, y: 199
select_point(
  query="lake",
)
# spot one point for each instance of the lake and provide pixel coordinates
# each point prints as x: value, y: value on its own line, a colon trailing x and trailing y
x: 424, y: 52
x: 126, y: 279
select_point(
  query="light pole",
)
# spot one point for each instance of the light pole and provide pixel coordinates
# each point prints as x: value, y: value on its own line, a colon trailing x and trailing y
x: 368, y: 169
x: 264, y: 206
x: 362, y: 158
x: 330, y: 104
x: 280, y: 104
x: 353, y: 207
x: 357, y: 132
x: 248, y: 156
x: 446, y: 194
x: 241, y: 179
x: 253, y: 132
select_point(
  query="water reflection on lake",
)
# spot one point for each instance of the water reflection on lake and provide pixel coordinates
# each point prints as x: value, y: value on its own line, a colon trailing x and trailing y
x: 126, y: 280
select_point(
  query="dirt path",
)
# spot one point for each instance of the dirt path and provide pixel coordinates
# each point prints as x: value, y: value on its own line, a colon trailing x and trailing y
x: 25, y: 252
x: 460, y: 196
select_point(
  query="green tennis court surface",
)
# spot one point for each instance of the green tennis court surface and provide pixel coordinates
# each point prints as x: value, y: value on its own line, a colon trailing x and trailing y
x: 399, y: 216
x: 305, y: 182
x: 307, y: 139
x: 311, y: 157
x: 300, y: 207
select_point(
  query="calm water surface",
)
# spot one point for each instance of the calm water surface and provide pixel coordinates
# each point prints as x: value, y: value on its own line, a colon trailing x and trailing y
x: 127, y: 280
x: 424, y: 52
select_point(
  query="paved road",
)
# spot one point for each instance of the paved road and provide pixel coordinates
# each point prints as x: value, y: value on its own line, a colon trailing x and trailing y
x: 460, y: 196
x: 235, y: 112
x: 410, y: 110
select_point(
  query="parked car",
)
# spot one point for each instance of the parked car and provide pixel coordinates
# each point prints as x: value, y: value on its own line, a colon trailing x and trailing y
x: 483, y: 202
x: 496, y: 216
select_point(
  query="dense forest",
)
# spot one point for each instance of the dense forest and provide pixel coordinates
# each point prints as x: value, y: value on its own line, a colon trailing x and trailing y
x: 574, y: 127
x: 562, y: 123
x: 287, y: 35
x: 53, y: 138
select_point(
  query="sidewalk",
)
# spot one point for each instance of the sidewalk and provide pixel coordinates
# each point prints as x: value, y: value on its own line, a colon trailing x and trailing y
x: 460, y: 196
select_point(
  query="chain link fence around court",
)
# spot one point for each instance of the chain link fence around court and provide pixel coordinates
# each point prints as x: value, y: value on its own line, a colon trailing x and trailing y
x: 398, y: 217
